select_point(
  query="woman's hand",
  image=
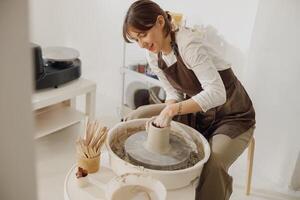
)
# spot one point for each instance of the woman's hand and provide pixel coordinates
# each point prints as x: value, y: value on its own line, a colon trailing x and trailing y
x: 144, y: 112
x: 165, y: 117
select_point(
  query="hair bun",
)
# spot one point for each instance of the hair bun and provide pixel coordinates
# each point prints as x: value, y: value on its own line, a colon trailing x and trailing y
x: 169, y: 17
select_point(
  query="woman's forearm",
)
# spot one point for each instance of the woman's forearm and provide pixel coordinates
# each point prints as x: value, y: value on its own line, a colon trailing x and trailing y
x: 185, y: 107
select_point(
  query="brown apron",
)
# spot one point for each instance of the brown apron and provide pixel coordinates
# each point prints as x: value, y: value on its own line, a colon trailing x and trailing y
x: 233, y: 118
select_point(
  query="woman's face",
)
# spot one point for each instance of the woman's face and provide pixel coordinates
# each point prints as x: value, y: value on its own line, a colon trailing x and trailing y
x: 151, y: 39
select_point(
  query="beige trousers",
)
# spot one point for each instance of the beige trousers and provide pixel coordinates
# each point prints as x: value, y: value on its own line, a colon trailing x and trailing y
x: 215, y: 182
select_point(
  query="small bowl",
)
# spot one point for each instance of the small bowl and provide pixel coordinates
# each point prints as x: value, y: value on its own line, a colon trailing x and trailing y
x: 135, y: 186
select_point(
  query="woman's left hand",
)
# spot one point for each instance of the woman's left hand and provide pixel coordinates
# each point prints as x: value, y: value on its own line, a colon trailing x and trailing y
x: 165, y: 117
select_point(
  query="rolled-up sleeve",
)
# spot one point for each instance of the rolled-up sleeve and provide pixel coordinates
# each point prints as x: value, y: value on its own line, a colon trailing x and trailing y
x: 196, y: 58
x: 171, y: 92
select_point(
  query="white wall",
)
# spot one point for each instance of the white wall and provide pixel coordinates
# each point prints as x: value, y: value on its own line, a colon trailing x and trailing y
x: 233, y: 19
x: 16, y: 121
x: 273, y: 77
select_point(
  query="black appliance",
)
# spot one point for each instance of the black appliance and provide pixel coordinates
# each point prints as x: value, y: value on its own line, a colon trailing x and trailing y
x: 51, y: 73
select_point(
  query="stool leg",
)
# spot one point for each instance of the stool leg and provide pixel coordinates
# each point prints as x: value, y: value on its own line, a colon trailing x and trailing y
x: 251, y: 148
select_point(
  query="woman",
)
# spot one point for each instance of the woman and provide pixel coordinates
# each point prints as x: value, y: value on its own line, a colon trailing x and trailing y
x: 199, y: 84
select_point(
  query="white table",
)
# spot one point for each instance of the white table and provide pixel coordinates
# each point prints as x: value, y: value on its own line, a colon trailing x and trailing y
x: 93, y: 192
x: 55, y: 108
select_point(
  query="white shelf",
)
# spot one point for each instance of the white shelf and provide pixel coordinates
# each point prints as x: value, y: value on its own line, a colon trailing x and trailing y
x: 55, y: 108
x: 50, y: 96
x: 147, y: 79
x: 54, y: 118
x: 133, y: 80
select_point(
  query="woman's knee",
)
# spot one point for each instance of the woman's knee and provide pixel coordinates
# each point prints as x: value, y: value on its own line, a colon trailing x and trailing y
x: 227, y: 150
x: 214, y: 163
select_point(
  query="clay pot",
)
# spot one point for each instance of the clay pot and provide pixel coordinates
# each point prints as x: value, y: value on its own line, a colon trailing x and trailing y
x: 158, y: 139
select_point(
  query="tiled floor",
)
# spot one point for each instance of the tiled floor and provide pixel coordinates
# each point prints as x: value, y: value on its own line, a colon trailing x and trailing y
x: 55, y: 154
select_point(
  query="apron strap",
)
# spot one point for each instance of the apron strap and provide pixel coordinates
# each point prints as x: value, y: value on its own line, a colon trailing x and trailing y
x: 174, y: 44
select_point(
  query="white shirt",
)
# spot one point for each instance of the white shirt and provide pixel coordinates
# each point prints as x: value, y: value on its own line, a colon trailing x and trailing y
x: 199, y: 55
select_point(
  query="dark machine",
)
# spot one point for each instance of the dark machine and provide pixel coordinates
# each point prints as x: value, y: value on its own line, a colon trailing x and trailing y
x: 55, y: 70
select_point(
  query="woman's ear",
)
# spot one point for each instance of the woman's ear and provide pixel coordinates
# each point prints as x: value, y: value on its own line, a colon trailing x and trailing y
x: 160, y: 21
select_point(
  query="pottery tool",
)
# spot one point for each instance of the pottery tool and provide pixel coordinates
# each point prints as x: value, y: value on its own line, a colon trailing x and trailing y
x: 94, y: 137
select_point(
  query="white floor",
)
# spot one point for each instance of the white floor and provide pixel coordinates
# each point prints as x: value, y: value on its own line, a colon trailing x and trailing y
x: 55, y: 154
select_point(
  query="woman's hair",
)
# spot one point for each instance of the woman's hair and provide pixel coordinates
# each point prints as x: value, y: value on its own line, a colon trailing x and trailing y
x: 142, y: 16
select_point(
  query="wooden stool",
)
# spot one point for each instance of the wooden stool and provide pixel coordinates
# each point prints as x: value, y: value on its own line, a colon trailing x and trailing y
x: 251, y: 148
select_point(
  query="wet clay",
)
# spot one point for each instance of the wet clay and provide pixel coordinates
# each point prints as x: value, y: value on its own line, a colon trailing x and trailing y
x: 117, y: 145
x: 158, y: 139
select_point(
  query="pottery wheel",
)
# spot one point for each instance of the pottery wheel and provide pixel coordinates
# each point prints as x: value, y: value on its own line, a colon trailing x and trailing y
x: 175, y: 158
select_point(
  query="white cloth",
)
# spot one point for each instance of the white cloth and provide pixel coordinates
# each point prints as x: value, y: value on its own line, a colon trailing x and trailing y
x: 202, y: 57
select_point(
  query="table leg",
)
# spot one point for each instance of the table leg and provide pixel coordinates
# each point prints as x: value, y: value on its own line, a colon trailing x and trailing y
x: 71, y: 102
x: 90, y: 104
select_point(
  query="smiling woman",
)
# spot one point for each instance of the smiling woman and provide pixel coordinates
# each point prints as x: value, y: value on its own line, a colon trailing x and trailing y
x: 201, y: 88
x: 148, y: 25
